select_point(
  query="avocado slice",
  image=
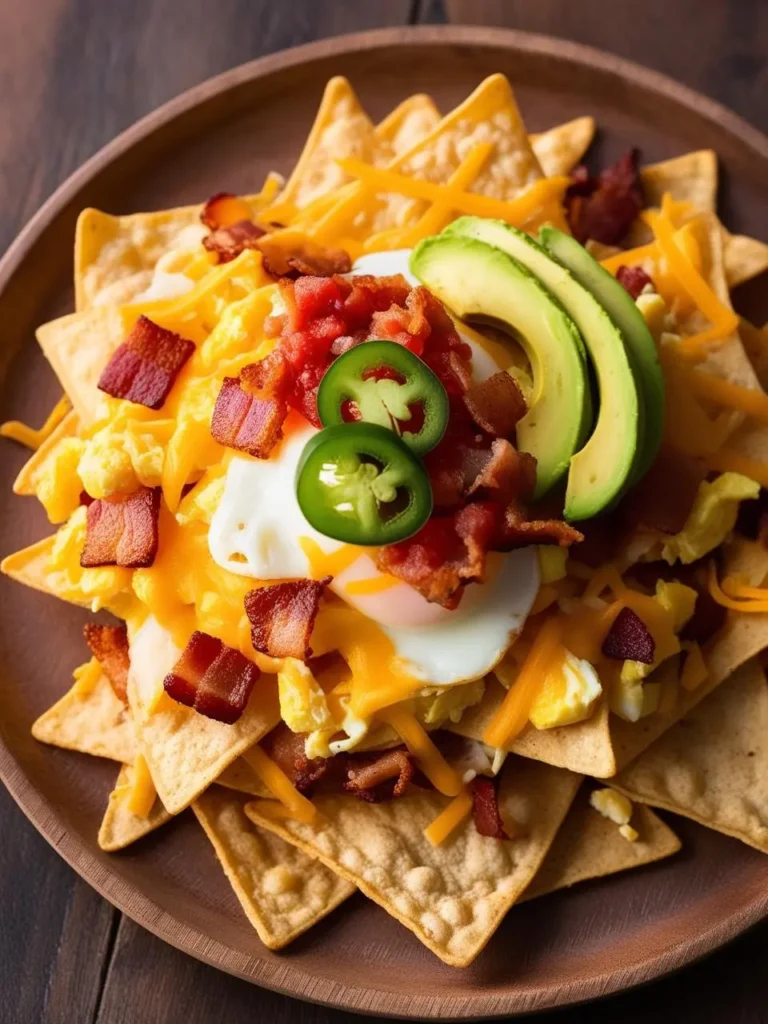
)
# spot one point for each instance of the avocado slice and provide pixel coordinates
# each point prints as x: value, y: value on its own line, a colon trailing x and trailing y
x: 621, y: 308
x: 479, y: 282
x: 603, y: 468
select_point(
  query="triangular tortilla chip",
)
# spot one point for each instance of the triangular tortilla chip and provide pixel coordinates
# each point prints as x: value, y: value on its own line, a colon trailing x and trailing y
x: 93, y: 722
x: 589, y: 846
x: 185, y: 751
x: 408, y: 123
x: 713, y: 765
x: 561, y: 148
x: 120, y: 826
x: 30, y: 566
x: 282, y: 891
x: 241, y: 777
x: 744, y: 258
x: 452, y: 896
x: 691, y: 178
x: 35, y: 465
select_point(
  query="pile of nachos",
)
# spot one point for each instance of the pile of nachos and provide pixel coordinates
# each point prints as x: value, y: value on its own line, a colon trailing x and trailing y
x: 425, y: 492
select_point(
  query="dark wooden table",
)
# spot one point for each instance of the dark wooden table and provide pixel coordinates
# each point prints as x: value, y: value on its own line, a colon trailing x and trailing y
x: 74, y: 73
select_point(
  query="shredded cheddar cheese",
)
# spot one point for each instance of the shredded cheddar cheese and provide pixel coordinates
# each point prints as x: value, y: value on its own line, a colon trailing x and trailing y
x: 725, y: 461
x: 142, y: 793
x: 430, y: 760
x: 278, y: 783
x: 86, y: 677
x: 449, y: 818
x: 28, y: 436
x: 734, y: 604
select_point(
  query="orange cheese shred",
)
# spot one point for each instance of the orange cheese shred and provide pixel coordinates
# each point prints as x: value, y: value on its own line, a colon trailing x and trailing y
x: 430, y: 760
x: 278, y: 783
x: 747, y: 400
x: 725, y: 461
x: 449, y: 818
x: 15, y: 430
x: 512, y: 716
x: 142, y: 793
x: 719, y: 595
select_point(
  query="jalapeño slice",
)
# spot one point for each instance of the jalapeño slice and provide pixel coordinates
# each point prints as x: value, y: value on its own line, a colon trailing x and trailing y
x: 359, y: 483
x: 384, y: 383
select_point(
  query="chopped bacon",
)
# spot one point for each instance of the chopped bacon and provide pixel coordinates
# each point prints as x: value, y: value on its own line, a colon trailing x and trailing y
x: 634, y: 280
x: 485, y: 808
x: 664, y: 497
x: 629, y: 639
x: 250, y: 409
x: 109, y: 646
x: 282, y: 617
x: 223, y: 210
x: 506, y: 474
x: 496, y: 404
x: 212, y: 678
x: 227, y: 243
x: 145, y: 366
x: 378, y: 776
x: 295, y: 256
x: 603, y: 208
x: 518, y: 531
x: 407, y: 325
x: 122, y: 530
x: 286, y: 749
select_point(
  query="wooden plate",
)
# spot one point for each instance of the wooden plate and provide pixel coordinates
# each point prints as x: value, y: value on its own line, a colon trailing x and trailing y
x: 226, y: 134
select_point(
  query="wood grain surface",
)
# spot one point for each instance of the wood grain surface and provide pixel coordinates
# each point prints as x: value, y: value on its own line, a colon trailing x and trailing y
x: 73, y: 73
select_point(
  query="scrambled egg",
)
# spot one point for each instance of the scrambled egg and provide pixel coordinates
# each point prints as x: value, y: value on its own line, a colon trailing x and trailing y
x: 711, y: 519
x: 617, y: 808
x: 303, y: 706
x: 58, y: 488
x: 567, y: 695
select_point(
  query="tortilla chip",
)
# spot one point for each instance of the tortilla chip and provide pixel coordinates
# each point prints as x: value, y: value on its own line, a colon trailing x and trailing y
x: 755, y: 342
x: 241, y: 777
x: 408, y: 123
x: 589, y: 846
x: 96, y: 722
x: 120, y: 826
x: 744, y: 258
x: 561, y: 148
x: 30, y: 567
x: 584, y: 748
x: 35, y: 466
x: 691, y: 178
x: 184, y: 750
x: 452, y: 896
x: 282, y: 891
x: 713, y: 766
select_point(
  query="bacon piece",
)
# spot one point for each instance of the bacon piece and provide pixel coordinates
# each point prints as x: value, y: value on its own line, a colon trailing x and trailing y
x: 379, y: 776
x: 298, y: 256
x: 212, y: 678
x: 506, y: 475
x: 664, y: 497
x: 122, y: 530
x: 109, y: 646
x: 629, y: 639
x: 283, y: 615
x: 634, y: 279
x: 496, y: 404
x: 286, y: 749
x: 144, y: 367
x: 485, y: 808
x: 604, y: 208
x: 518, y: 531
x: 250, y: 409
x: 227, y: 243
x: 223, y: 210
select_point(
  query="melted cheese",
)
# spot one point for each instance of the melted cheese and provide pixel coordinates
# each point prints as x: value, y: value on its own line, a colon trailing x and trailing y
x: 278, y: 783
x: 430, y: 760
x: 28, y: 436
x: 449, y: 818
x: 86, y: 677
x: 142, y: 793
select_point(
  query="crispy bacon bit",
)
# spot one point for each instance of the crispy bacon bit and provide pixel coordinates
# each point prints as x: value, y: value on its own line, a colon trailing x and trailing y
x: 485, y: 809
x: 286, y: 749
x: 109, y: 646
x: 250, y: 409
x: 496, y: 404
x: 227, y: 243
x: 507, y: 474
x: 664, y: 497
x: 378, y: 776
x: 296, y: 255
x: 603, y: 208
x: 223, y: 210
x: 629, y: 639
x: 144, y: 367
x: 283, y: 615
x: 634, y: 280
x: 122, y: 530
x: 518, y: 531
x: 212, y: 678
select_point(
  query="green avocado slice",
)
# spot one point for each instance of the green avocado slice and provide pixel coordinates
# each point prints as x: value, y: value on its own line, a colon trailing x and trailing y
x: 479, y: 282
x: 621, y: 308
x: 603, y: 468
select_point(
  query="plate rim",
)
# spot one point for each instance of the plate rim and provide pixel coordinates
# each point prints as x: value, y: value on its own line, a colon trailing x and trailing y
x: 287, y: 978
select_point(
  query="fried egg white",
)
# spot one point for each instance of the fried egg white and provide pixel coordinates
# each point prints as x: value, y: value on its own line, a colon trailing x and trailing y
x: 258, y: 528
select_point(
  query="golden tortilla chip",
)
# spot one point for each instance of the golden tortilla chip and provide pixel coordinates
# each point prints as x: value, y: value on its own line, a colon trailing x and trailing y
x: 561, y: 148
x: 282, y: 891
x: 590, y: 846
x: 744, y: 258
x: 713, y: 766
x: 30, y: 567
x: 452, y: 896
x: 691, y: 178
x: 408, y: 123
x: 186, y: 751
x: 93, y: 722
x: 584, y: 748
x: 120, y: 826
x: 36, y: 465
x: 241, y: 777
